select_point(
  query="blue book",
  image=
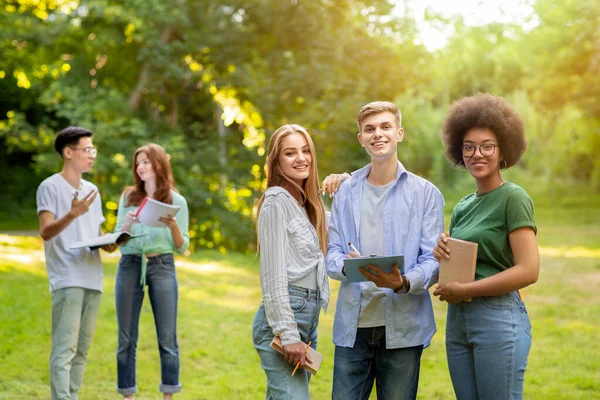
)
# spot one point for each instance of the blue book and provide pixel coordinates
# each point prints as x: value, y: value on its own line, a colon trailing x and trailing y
x: 384, y: 263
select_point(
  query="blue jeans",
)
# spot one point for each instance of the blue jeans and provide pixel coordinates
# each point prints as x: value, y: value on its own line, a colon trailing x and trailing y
x: 280, y: 384
x: 129, y: 295
x: 396, y: 371
x: 74, y: 315
x: 487, y: 344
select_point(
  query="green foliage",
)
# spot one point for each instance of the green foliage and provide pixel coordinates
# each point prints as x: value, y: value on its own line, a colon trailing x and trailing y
x: 209, y: 81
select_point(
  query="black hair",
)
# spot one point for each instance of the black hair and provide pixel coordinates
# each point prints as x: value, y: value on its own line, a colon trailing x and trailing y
x: 484, y: 111
x: 70, y: 136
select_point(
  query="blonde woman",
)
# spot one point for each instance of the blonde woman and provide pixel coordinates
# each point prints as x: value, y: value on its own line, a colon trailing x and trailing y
x: 292, y: 233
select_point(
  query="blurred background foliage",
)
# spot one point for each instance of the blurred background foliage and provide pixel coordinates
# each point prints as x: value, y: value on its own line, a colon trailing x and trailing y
x: 211, y: 80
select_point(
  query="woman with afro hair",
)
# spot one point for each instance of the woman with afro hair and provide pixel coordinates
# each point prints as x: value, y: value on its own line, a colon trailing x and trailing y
x: 488, y: 339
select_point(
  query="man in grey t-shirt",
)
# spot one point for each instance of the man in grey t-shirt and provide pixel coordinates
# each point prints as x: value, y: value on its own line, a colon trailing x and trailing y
x: 69, y: 209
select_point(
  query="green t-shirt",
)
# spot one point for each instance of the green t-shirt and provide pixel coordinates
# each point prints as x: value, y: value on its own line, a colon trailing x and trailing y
x: 487, y: 219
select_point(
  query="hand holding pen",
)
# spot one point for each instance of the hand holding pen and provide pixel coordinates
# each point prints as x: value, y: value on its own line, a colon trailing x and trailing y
x: 354, y: 253
x: 307, y: 359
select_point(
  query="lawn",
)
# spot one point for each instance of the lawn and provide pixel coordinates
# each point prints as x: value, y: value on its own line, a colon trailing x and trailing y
x: 219, y: 295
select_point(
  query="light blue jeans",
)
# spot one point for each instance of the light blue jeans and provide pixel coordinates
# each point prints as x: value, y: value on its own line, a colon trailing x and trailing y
x: 395, y: 371
x: 487, y: 344
x: 74, y: 315
x: 280, y: 384
x: 129, y: 296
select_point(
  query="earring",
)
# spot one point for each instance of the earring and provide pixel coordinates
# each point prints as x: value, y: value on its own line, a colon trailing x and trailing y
x: 505, y: 164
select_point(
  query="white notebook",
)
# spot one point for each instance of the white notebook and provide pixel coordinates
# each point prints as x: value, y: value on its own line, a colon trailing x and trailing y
x: 109, y: 238
x: 151, y: 210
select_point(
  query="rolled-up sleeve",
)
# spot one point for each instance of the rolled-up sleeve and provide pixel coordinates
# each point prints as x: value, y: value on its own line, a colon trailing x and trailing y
x: 272, y: 234
x: 183, y: 220
x: 426, y: 272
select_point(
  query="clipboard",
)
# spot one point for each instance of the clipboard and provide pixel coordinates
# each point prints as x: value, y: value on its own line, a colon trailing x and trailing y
x: 384, y: 263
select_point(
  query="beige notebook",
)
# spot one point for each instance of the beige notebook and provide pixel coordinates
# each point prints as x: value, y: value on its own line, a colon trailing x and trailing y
x: 314, y: 355
x: 461, y: 265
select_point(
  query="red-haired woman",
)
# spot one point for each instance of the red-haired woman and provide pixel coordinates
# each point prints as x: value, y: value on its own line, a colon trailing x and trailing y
x: 148, y: 260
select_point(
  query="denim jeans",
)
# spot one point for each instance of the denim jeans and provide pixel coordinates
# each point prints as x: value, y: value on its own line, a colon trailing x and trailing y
x: 487, y: 344
x: 74, y: 315
x: 395, y: 371
x: 129, y: 295
x: 281, y: 385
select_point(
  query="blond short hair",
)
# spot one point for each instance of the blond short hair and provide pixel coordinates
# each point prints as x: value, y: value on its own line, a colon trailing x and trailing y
x: 377, y: 107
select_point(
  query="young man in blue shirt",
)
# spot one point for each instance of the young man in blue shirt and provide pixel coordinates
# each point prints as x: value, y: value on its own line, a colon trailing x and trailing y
x: 382, y: 326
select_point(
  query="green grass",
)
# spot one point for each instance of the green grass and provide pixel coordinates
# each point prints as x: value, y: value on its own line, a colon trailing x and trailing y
x: 219, y: 295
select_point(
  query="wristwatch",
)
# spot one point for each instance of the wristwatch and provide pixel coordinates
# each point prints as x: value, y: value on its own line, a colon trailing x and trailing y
x: 404, y: 287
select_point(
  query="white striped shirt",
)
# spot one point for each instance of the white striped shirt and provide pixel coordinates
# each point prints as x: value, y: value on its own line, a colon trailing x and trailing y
x: 289, y: 250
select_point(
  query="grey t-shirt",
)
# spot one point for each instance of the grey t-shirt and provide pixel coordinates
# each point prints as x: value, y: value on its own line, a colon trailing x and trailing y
x: 372, y: 300
x: 71, y: 268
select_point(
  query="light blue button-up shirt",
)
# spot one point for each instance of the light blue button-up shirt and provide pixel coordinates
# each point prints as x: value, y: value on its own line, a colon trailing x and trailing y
x: 412, y: 221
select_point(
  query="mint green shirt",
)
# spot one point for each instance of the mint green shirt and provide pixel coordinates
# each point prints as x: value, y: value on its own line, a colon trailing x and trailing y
x: 487, y: 219
x: 159, y: 240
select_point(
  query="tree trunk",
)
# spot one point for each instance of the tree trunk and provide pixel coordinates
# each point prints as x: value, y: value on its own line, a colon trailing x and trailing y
x: 135, y: 99
x: 222, y: 146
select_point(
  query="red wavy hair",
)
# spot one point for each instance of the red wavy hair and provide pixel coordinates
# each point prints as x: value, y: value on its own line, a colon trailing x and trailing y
x: 164, y: 176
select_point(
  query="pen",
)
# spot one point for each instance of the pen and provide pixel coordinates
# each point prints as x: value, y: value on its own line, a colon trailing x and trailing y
x: 298, y: 364
x: 141, y: 206
x: 353, y: 248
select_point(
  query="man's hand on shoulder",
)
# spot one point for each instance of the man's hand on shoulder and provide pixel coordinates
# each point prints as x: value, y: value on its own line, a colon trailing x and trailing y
x: 332, y: 183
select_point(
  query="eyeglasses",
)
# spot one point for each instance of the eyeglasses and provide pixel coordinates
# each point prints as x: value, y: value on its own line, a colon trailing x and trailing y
x: 89, y: 151
x: 486, y: 150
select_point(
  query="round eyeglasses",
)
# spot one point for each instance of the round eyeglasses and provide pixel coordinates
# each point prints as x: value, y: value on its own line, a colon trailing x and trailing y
x: 89, y: 151
x: 486, y: 150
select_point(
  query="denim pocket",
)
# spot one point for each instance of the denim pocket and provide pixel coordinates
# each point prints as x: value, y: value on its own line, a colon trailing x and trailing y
x: 297, y: 303
x: 165, y: 262
x: 128, y: 262
x: 524, y: 318
x: 496, y: 302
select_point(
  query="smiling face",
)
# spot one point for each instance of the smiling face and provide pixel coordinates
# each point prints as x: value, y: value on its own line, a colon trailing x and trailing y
x: 144, y: 167
x: 479, y: 166
x: 380, y: 135
x: 295, y: 158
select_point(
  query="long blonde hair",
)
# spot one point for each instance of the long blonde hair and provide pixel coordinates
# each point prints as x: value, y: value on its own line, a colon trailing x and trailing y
x: 309, y: 192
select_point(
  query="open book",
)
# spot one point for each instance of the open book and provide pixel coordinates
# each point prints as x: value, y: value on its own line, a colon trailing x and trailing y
x: 314, y: 355
x: 385, y: 263
x: 461, y: 265
x: 109, y: 238
x: 151, y: 210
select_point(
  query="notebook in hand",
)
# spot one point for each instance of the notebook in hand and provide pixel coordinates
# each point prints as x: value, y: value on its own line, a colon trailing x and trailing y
x: 109, y: 238
x: 314, y: 355
x: 151, y: 210
x: 352, y: 266
x: 461, y: 265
